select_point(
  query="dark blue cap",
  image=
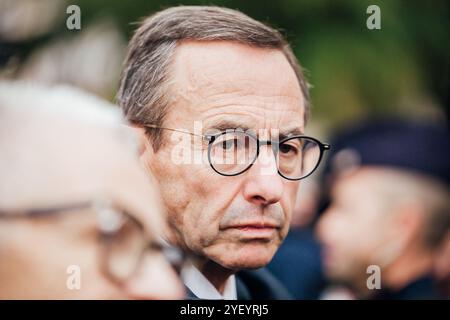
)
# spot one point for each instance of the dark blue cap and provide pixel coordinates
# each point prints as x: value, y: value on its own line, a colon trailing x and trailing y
x: 423, y: 148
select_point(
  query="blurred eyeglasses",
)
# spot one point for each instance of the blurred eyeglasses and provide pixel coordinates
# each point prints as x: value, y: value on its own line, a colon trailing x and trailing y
x: 234, y: 151
x: 123, y: 239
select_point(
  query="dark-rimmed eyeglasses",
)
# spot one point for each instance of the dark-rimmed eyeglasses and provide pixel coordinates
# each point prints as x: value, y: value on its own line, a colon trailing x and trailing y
x: 123, y: 239
x: 234, y: 151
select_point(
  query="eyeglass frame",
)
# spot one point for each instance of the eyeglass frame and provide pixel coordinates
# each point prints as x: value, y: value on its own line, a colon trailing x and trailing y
x: 210, y: 138
x: 103, y: 236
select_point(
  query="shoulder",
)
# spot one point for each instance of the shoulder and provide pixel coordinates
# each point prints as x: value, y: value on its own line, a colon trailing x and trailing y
x: 259, y: 284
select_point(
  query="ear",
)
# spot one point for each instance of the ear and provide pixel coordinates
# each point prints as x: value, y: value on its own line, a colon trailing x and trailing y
x: 403, y: 234
x: 409, y: 221
x: 145, y: 148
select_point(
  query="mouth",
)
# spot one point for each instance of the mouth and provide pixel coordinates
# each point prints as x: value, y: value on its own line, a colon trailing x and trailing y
x: 255, y: 230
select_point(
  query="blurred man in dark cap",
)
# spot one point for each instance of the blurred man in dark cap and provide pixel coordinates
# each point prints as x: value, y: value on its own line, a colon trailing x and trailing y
x: 389, y: 210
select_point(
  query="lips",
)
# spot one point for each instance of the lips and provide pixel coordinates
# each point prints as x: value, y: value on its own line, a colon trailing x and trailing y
x: 254, y: 230
x: 253, y: 225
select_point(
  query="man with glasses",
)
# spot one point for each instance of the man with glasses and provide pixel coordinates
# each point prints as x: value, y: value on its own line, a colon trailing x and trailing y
x: 237, y: 79
x: 78, y: 220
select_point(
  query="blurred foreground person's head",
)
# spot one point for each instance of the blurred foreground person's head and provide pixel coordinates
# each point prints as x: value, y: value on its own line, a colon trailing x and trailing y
x: 389, y: 208
x: 78, y: 219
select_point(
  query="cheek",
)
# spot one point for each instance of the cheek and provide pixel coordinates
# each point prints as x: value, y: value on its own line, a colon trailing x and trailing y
x: 202, y: 218
x: 34, y: 271
x: 200, y: 228
x: 83, y: 261
x: 357, y: 238
x: 352, y: 233
x: 44, y: 270
x: 195, y: 198
x: 86, y: 258
x: 177, y: 189
x: 369, y: 228
x: 40, y: 257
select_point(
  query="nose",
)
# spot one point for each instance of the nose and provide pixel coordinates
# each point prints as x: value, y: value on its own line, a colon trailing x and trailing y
x: 155, y: 280
x: 263, y: 185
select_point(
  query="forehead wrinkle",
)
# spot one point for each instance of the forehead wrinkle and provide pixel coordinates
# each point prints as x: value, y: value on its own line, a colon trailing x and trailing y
x: 258, y: 113
x: 251, y: 106
x: 276, y: 102
x: 226, y: 98
x: 247, y: 120
x: 214, y: 57
x: 242, y: 88
x: 221, y: 79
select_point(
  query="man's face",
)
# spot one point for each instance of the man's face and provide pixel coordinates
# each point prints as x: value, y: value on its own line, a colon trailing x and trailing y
x: 45, y: 257
x: 235, y: 221
x: 355, y: 227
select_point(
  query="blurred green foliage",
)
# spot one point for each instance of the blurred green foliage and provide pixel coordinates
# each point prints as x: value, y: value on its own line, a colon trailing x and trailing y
x: 356, y: 73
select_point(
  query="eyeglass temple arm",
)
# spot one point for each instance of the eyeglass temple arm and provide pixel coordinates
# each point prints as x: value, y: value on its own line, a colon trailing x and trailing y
x: 205, y: 136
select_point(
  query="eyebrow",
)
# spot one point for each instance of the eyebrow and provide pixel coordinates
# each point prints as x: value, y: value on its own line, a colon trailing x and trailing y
x: 297, y: 131
x: 227, y: 124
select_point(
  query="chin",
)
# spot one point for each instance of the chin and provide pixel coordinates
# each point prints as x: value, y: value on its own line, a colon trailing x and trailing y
x: 250, y: 256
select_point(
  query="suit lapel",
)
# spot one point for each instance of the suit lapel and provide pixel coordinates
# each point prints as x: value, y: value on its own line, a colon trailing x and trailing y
x: 242, y: 291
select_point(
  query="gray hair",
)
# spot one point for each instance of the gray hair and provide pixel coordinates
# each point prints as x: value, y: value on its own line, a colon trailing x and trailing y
x: 144, y: 82
x: 21, y: 100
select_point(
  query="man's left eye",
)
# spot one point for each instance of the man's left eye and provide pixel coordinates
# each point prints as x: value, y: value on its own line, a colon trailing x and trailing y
x: 288, y: 149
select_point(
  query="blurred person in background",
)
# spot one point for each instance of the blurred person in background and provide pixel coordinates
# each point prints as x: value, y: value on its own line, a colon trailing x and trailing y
x: 78, y: 219
x: 36, y: 45
x: 234, y: 76
x: 389, y: 208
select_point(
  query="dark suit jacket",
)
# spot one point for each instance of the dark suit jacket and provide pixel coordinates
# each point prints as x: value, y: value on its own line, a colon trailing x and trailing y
x: 423, y: 288
x: 257, y: 284
x: 297, y: 264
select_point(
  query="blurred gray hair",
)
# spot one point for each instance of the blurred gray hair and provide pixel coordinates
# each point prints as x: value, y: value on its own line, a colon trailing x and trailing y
x: 145, y: 79
x: 21, y: 99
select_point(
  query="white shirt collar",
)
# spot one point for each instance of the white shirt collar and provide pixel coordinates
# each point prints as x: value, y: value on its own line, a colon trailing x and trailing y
x: 203, y: 288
